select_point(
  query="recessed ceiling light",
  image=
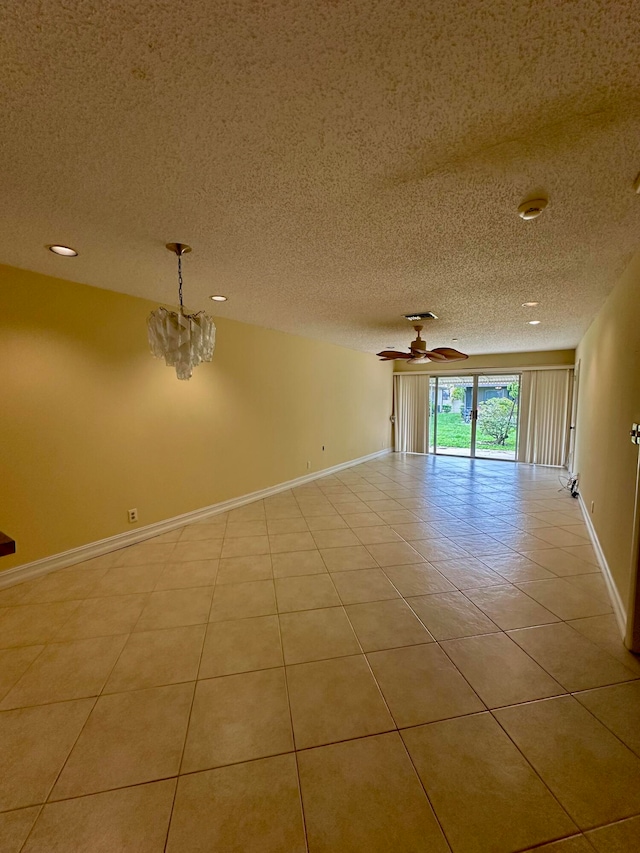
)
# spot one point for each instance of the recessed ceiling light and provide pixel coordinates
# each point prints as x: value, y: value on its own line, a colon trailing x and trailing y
x: 533, y: 208
x: 530, y: 304
x: 454, y: 339
x: 534, y: 322
x: 67, y: 251
x: 218, y: 298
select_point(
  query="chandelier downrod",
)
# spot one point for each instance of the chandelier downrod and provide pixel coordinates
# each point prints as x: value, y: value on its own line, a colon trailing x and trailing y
x: 179, y: 249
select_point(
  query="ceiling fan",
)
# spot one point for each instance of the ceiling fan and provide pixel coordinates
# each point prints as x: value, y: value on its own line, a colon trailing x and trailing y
x: 419, y: 352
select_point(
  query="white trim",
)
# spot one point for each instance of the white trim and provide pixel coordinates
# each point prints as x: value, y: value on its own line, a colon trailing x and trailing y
x: 614, y: 595
x: 27, y: 571
x: 482, y: 371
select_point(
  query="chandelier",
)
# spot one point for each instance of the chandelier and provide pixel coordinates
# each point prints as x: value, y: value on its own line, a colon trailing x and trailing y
x: 182, y: 340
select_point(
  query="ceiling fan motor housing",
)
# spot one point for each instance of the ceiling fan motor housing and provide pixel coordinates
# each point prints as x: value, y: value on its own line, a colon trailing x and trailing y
x: 418, y: 344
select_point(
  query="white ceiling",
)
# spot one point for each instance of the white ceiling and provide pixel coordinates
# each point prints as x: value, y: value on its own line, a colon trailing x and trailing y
x: 333, y: 164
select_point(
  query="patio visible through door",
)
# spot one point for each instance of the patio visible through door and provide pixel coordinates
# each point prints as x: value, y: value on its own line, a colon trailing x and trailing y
x: 474, y: 416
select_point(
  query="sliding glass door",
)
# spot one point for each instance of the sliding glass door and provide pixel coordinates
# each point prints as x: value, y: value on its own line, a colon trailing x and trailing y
x: 475, y: 416
x: 451, y: 411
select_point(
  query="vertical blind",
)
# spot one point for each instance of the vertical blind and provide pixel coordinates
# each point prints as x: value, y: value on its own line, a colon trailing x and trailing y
x: 411, y: 407
x: 544, y: 416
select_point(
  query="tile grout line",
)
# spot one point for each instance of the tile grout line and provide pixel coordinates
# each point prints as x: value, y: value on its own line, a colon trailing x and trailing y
x: 529, y: 764
x: 95, y: 702
x: 187, y: 727
x: 15, y: 684
x: 293, y: 737
x: 64, y: 764
x: 601, y: 722
x: 426, y: 793
x: 33, y: 825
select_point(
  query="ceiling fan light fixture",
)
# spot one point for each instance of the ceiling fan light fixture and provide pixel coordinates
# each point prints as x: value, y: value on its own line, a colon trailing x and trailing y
x: 183, y: 340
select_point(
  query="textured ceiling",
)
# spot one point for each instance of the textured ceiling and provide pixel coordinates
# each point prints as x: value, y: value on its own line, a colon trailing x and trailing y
x: 333, y: 164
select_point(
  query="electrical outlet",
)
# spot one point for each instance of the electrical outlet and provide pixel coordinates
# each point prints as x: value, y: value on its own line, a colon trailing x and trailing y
x: 593, y: 506
x: 133, y: 515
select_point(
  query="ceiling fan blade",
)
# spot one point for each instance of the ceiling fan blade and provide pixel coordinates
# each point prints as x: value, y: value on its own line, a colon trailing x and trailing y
x: 449, y: 354
x: 389, y: 354
x: 434, y: 355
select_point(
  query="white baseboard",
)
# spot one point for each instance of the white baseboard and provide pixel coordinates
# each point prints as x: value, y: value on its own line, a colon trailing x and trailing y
x: 614, y: 595
x: 27, y: 571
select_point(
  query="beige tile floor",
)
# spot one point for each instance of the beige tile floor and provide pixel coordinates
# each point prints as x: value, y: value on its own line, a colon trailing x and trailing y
x: 417, y: 654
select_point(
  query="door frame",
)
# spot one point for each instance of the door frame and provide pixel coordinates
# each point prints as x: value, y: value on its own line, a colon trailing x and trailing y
x: 434, y: 452
x: 475, y: 376
x: 573, y: 418
x: 474, y: 416
x: 632, y: 636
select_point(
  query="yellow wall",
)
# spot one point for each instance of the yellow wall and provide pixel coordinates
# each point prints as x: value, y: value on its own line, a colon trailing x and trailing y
x: 92, y: 425
x: 497, y: 361
x: 608, y: 403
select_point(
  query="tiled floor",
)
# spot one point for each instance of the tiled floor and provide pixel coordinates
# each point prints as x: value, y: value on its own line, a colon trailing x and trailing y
x: 417, y: 654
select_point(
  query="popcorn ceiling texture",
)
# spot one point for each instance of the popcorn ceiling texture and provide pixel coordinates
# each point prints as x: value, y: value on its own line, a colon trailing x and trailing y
x: 333, y: 164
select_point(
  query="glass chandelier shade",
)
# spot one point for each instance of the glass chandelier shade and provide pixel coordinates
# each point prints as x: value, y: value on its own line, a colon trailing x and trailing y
x: 183, y: 340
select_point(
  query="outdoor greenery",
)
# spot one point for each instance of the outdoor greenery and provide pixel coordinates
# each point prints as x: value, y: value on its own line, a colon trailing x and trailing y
x: 498, y: 417
x: 454, y: 432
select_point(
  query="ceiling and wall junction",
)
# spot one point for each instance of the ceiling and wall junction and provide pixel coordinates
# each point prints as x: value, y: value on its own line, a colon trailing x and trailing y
x: 334, y: 165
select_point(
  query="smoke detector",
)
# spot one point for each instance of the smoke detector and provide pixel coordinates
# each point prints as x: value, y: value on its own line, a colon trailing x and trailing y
x: 532, y: 208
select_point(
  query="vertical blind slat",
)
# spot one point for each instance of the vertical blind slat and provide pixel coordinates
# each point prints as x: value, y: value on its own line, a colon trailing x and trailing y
x: 544, y: 413
x: 412, y: 413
